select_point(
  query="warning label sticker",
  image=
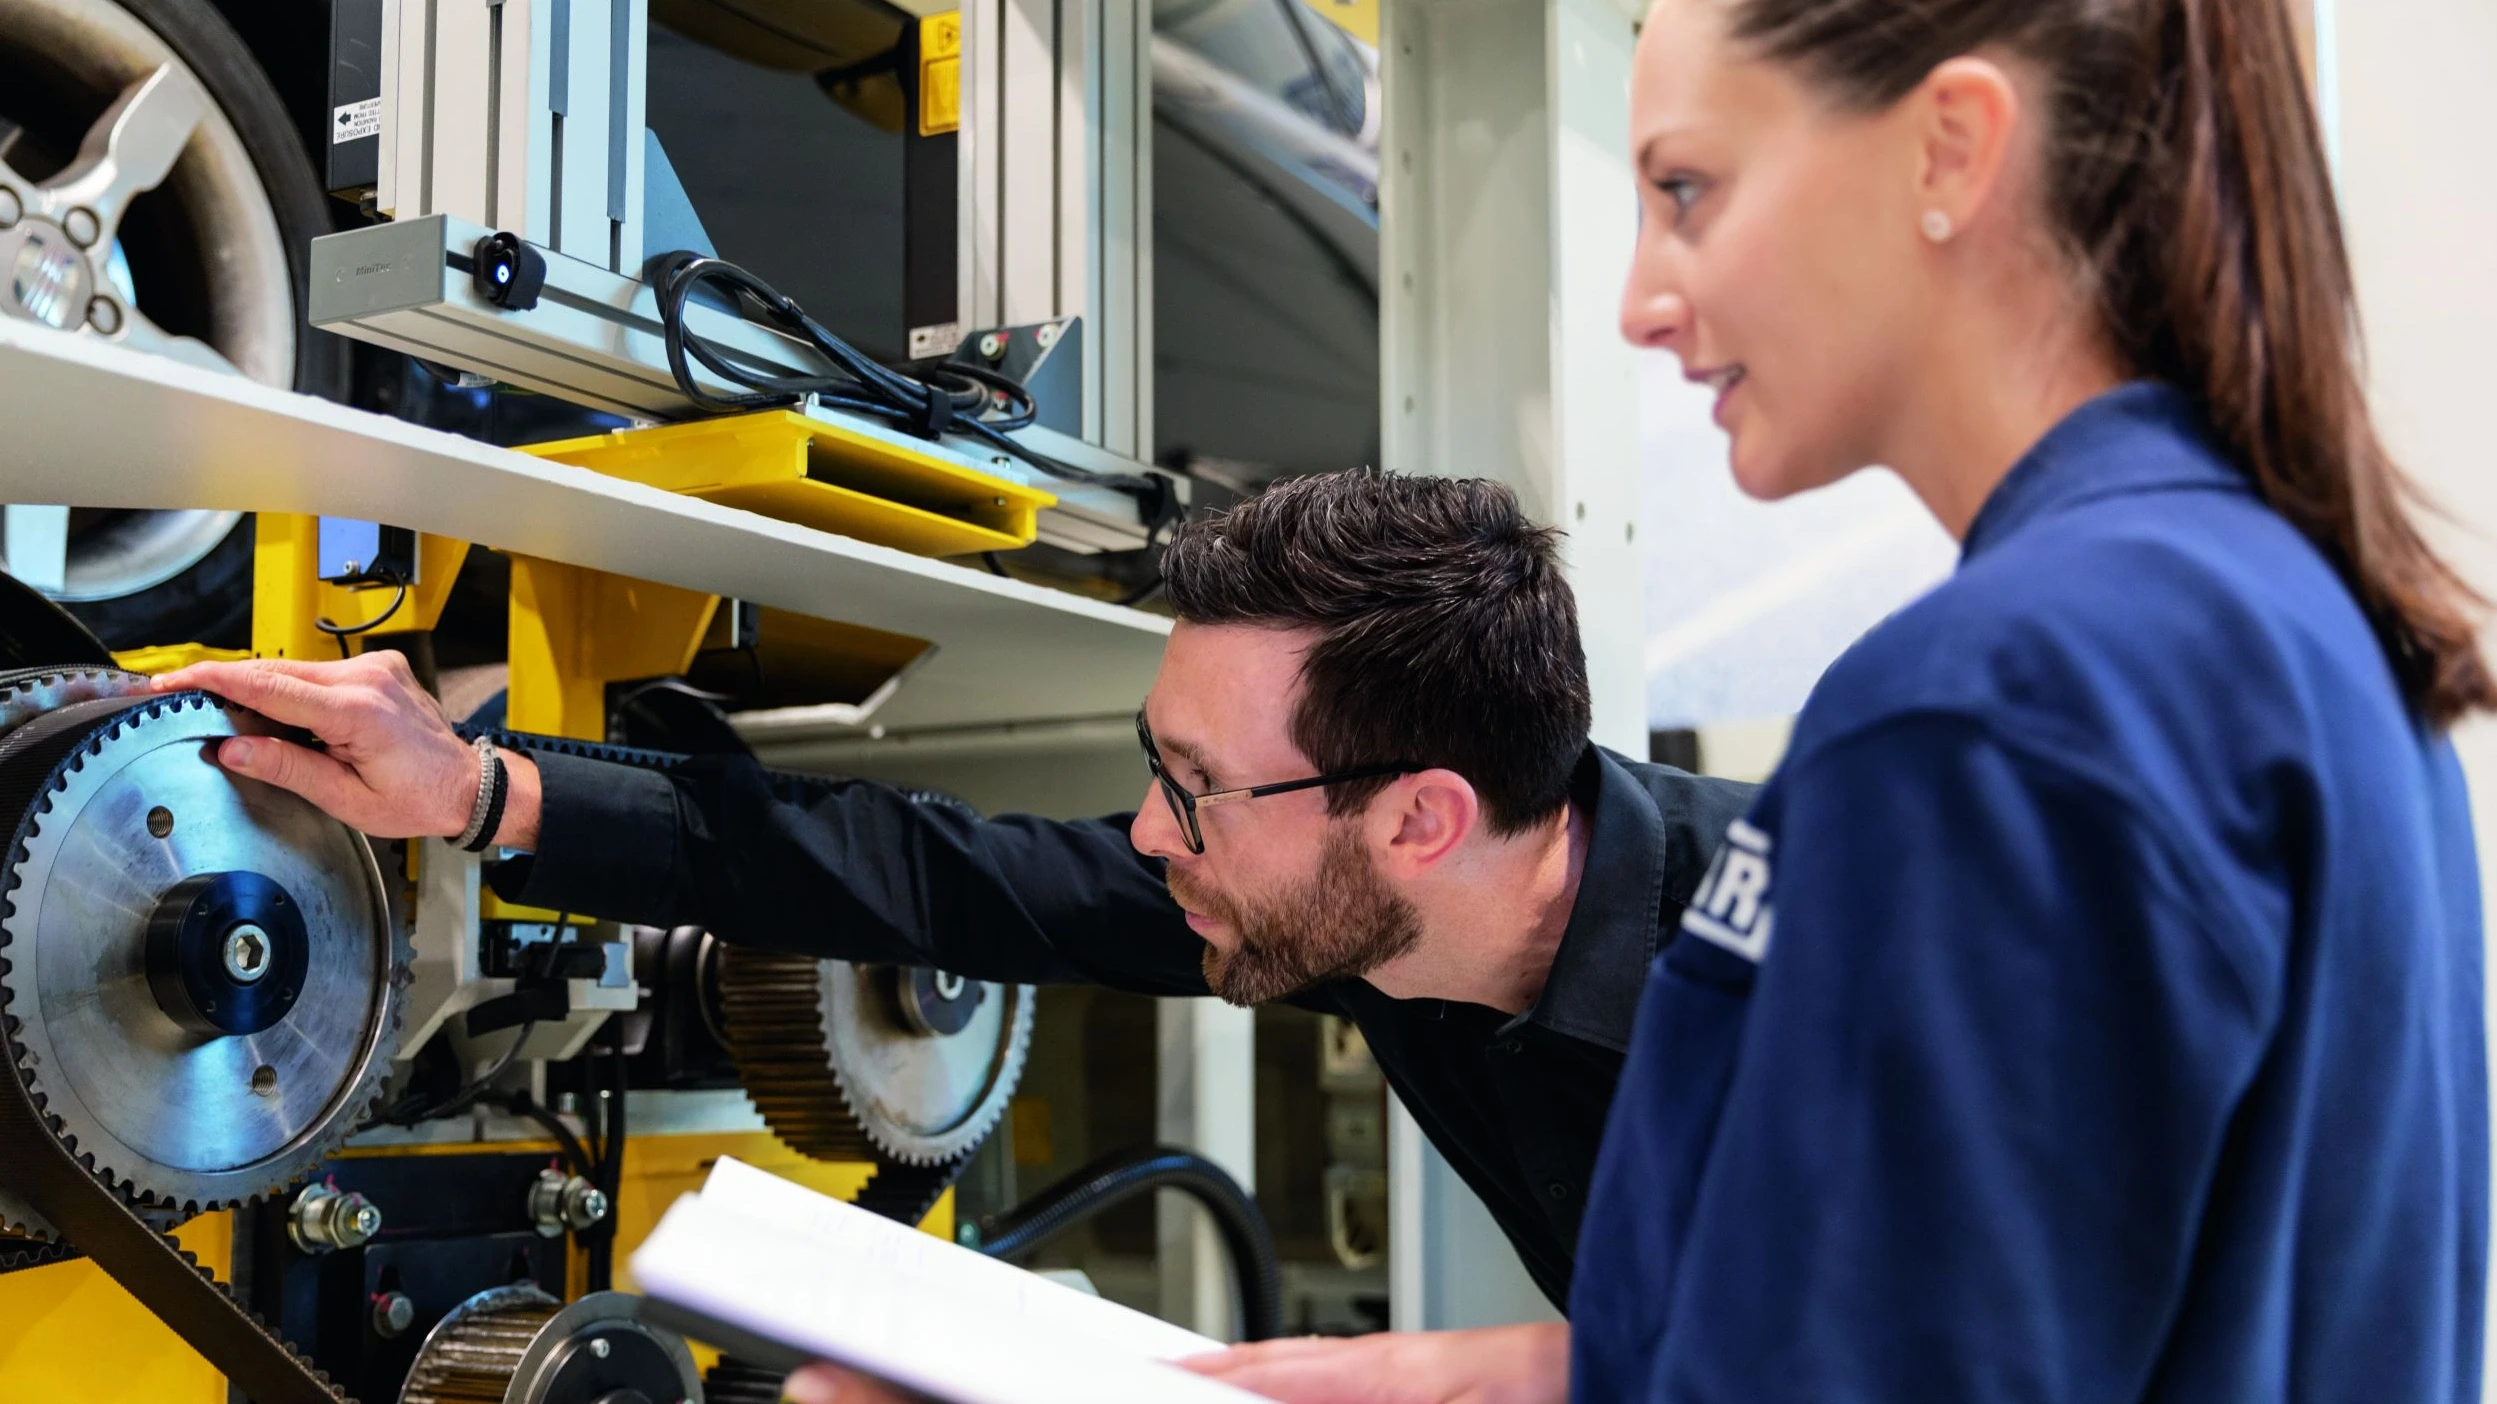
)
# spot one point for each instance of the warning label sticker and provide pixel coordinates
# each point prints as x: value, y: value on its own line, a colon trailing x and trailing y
x: 356, y: 120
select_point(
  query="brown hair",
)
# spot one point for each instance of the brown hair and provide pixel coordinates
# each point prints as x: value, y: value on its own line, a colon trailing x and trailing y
x: 1447, y: 635
x: 2188, y: 179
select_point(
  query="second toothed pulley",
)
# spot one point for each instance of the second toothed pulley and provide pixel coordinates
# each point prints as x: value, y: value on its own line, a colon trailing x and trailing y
x: 872, y: 1062
x: 200, y: 971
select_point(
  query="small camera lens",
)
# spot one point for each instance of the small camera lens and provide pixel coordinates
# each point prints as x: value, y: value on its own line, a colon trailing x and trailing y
x: 508, y: 272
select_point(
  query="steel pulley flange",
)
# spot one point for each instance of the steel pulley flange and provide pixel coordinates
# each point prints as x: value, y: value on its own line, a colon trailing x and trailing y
x: 872, y: 1062
x: 518, y: 1345
x: 203, y: 978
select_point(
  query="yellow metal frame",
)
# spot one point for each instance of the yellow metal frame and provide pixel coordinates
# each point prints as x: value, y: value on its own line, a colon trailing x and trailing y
x: 575, y: 630
x: 800, y: 469
x: 288, y: 592
x: 68, y: 1332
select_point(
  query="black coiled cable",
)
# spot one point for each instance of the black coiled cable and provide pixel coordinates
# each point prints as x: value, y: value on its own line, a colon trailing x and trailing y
x: 1115, y: 1179
x: 973, y: 401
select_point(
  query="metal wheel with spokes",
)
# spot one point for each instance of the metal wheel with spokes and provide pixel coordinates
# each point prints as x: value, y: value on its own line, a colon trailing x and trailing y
x: 155, y: 194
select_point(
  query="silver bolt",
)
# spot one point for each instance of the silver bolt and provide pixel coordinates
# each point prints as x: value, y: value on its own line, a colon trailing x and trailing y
x: 599, y: 1347
x: 11, y: 207
x: 104, y: 315
x: 82, y: 226
x: 1048, y: 335
x: 558, y: 1201
x: 323, y: 1218
x: 585, y: 1206
x: 393, y: 1313
x: 246, y: 953
x: 992, y: 346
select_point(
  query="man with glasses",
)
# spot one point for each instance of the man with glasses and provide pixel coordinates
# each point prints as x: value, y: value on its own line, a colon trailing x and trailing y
x: 1372, y: 795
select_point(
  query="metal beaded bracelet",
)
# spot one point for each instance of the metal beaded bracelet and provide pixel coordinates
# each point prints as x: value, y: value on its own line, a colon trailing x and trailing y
x: 488, y: 806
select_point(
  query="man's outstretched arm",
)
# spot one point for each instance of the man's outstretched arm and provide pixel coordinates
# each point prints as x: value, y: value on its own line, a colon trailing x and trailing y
x: 859, y: 870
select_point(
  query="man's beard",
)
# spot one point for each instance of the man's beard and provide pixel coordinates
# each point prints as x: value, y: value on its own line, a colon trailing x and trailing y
x: 1340, y: 924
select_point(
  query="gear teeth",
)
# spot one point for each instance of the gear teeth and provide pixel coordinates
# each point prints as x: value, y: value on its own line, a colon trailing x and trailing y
x: 776, y: 1009
x: 35, y: 804
x: 772, y: 1004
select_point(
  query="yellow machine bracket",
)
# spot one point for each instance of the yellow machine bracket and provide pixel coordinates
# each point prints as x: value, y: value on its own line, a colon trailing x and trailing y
x: 778, y: 463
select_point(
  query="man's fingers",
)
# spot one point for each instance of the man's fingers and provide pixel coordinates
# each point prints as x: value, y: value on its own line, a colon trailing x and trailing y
x: 1261, y: 1353
x: 329, y: 784
x: 830, y: 1384
x: 280, y: 689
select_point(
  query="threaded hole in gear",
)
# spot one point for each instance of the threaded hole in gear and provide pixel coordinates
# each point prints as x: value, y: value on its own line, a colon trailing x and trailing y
x: 159, y: 822
x: 264, y: 1080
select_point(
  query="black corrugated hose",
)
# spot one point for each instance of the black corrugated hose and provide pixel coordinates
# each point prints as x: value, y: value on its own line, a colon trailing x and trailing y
x: 1117, y: 1178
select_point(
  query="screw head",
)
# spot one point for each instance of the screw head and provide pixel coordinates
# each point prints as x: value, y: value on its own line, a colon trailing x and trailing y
x: 992, y: 346
x: 247, y: 953
x: 82, y: 227
x: 11, y: 207
x: 393, y: 1314
x: 1048, y: 335
x: 104, y: 315
x: 599, y: 1347
x: 588, y: 1207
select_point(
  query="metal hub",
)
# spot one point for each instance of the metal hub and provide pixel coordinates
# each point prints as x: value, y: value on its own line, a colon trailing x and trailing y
x: 206, y: 1012
x: 49, y: 279
x: 214, y: 943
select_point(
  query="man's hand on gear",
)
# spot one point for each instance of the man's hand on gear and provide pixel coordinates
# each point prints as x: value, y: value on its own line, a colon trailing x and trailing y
x: 389, y: 764
x: 1496, y: 1365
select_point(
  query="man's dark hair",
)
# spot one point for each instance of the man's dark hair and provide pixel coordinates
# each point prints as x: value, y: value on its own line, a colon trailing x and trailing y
x: 1448, y: 637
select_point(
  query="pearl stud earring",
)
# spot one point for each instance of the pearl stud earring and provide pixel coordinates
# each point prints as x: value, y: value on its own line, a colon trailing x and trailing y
x: 1937, y: 226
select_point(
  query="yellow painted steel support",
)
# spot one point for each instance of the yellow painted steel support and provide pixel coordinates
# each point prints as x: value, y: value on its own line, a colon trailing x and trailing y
x: 164, y: 658
x: 575, y: 630
x: 70, y: 1333
x: 288, y: 594
x: 782, y: 464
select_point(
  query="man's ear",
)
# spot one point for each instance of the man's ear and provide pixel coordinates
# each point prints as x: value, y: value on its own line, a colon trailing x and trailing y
x: 1421, y: 819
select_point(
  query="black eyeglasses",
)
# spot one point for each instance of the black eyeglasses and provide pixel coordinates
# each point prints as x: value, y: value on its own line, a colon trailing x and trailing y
x: 1184, y: 803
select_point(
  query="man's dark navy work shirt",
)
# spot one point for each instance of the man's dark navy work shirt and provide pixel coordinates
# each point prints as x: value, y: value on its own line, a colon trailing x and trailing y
x: 2090, y: 1007
x: 1516, y: 1105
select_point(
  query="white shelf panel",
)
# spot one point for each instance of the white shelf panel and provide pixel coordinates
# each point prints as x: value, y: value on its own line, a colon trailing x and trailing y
x: 92, y: 425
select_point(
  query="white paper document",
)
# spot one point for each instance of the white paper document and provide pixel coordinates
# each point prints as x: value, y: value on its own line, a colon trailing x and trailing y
x: 775, y: 1265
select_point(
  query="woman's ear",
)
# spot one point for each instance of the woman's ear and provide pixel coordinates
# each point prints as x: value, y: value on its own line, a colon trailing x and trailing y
x: 1963, y: 118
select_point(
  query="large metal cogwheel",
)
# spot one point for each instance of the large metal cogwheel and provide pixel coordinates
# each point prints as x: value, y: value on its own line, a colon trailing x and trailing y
x: 518, y: 1345
x: 872, y: 1062
x: 199, y: 973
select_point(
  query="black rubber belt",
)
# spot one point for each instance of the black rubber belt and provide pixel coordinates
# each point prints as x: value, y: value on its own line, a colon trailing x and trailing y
x: 18, y: 1255
x: 149, y: 1265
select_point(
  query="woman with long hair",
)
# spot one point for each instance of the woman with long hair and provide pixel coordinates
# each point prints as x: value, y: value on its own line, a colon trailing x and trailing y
x: 2090, y: 1006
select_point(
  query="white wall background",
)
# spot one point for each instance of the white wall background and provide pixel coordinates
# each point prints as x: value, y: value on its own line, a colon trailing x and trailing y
x: 1748, y: 602
x: 2417, y: 145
